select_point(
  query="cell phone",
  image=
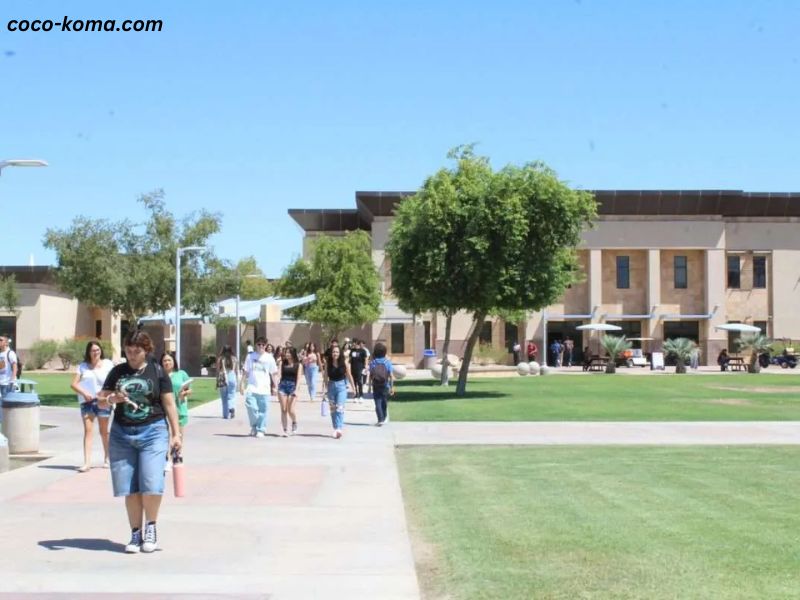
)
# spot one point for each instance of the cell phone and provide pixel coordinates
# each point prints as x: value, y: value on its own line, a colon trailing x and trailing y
x: 186, y: 384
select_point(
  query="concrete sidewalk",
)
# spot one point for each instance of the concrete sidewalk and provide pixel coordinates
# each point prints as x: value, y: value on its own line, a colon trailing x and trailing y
x: 300, y: 517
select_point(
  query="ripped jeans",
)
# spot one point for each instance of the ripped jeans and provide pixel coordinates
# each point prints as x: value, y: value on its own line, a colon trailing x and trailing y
x: 337, y: 396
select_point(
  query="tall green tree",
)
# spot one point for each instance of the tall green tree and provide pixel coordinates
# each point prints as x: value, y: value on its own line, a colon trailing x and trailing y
x: 426, y: 239
x: 129, y: 266
x: 9, y: 293
x: 341, y: 273
x: 254, y: 285
x: 520, y: 240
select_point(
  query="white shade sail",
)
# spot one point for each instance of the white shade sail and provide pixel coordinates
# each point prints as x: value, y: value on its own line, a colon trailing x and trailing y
x: 742, y: 327
x: 598, y: 327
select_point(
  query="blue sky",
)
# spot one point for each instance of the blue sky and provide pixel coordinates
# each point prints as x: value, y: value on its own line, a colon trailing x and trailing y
x: 250, y: 108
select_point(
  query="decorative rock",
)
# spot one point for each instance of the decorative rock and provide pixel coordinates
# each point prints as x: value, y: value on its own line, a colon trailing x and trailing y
x: 398, y: 371
x: 436, y: 371
x: 534, y: 368
x: 523, y: 369
x: 544, y: 370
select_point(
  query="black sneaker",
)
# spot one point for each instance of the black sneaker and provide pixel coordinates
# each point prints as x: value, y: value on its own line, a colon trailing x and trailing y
x: 232, y: 413
x: 135, y: 544
x: 150, y: 538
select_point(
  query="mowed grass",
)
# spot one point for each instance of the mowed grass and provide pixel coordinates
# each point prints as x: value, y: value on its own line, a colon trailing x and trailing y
x: 54, y: 390
x: 734, y: 397
x: 604, y: 522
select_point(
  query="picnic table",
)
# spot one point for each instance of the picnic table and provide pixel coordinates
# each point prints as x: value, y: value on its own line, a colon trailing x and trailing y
x: 736, y: 363
x: 597, y: 363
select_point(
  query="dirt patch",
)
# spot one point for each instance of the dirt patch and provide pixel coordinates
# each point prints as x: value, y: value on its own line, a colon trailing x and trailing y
x: 759, y: 390
x: 731, y: 401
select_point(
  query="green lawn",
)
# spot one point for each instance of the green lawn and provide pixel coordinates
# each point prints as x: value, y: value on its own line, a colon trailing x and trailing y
x: 734, y: 397
x: 600, y: 522
x: 54, y: 390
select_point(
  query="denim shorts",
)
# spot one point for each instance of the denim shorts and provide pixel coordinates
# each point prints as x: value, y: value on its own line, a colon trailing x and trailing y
x: 138, y: 454
x: 287, y: 387
x: 91, y: 408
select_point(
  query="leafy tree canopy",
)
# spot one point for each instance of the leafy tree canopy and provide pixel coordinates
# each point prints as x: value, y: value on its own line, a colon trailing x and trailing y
x: 9, y: 293
x: 341, y: 273
x: 130, y: 266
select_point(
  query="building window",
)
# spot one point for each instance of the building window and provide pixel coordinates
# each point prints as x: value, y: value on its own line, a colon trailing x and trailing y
x: 734, y: 272
x: 398, y: 338
x: 681, y: 273
x: 98, y: 329
x: 623, y: 272
x: 759, y: 271
x: 486, y: 333
x: 762, y: 325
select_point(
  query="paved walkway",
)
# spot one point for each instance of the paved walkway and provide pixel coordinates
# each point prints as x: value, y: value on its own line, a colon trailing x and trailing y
x: 303, y: 517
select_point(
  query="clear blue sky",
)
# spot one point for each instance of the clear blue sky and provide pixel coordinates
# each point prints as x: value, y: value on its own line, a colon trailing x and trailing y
x: 250, y: 108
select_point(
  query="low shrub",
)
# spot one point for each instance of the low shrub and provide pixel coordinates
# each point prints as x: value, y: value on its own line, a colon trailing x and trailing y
x: 486, y: 354
x: 71, y: 351
x: 40, y: 353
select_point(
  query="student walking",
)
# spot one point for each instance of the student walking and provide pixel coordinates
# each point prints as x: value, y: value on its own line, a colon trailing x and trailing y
x: 569, y: 348
x: 142, y: 396
x: 358, y: 362
x: 312, y: 363
x: 9, y: 365
x: 226, y: 363
x: 338, y: 378
x: 260, y: 370
x: 381, y: 380
x: 181, y: 388
x: 291, y: 370
x: 87, y: 383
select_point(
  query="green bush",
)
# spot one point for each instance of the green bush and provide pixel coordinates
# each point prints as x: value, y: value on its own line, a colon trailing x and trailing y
x: 486, y: 354
x: 40, y: 352
x: 71, y: 351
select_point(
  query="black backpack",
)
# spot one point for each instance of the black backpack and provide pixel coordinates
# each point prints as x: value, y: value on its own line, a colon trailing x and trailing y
x: 380, y: 375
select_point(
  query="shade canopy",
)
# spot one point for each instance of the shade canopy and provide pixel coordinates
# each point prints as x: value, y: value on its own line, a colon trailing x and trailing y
x: 598, y: 327
x: 742, y: 327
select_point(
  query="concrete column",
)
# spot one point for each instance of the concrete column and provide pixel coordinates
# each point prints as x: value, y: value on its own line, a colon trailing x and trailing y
x: 595, y: 279
x: 715, y: 282
x: 654, y: 328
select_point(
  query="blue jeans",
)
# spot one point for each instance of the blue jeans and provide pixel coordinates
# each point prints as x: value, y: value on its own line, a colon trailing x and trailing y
x: 228, y: 396
x: 137, y: 454
x: 4, y: 389
x: 381, y: 397
x: 256, y: 405
x: 92, y: 408
x: 337, y: 396
x: 311, y: 379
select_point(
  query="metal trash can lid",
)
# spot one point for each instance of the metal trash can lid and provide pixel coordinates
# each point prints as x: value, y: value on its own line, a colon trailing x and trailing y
x: 21, y: 400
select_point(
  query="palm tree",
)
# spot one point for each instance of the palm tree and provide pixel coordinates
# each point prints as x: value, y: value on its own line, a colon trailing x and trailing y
x: 614, y: 346
x: 756, y: 343
x: 682, y: 349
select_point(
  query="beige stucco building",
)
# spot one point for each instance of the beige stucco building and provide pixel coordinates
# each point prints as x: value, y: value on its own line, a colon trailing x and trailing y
x: 45, y: 312
x: 660, y: 264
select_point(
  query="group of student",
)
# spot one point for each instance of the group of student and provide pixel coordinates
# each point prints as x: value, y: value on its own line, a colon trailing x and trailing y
x: 268, y: 372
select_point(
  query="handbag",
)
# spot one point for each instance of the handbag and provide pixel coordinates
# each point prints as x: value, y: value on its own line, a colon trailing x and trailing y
x: 222, y: 376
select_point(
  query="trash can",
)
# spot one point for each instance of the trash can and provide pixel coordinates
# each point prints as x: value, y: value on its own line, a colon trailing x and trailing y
x: 4, y: 462
x: 428, y: 358
x: 21, y: 419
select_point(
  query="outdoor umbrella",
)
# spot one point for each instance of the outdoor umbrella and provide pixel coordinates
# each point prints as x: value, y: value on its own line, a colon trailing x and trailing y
x: 742, y: 327
x: 598, y: 327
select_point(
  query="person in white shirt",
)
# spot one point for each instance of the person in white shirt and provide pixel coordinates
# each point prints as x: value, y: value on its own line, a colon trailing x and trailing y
x: 88, y: 381
x: 259, y: 382
x: 8, y: 369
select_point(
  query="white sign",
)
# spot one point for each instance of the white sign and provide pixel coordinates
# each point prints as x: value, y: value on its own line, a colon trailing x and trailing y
x: 658, y: 361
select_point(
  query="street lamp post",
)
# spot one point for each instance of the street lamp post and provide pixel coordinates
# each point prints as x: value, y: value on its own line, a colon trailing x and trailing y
x: 178, y: 253
x: 21, y: 162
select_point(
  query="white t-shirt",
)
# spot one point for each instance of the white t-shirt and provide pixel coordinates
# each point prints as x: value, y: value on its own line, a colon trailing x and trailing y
x: 92, y: 379
x: 7, y: 359
x: 259, y: 367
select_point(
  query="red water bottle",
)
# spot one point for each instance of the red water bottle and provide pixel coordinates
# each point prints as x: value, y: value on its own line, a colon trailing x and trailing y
x: 178, y: 475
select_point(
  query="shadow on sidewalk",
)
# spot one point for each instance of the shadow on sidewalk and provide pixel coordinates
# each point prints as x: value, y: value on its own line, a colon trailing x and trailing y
x: 244, y: 435
x: 95, y: 544
x: 59, y: 467
x: 314, y: 435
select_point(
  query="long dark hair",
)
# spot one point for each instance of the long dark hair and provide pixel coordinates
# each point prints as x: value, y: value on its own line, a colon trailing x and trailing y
x: 341, y: 362
x: 292, y: 352
x: 87, y: 354
x: 226, y: 356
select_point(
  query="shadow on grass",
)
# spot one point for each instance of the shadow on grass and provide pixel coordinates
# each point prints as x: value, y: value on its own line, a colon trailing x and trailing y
x: 95, y: 544
x: 432, y: 391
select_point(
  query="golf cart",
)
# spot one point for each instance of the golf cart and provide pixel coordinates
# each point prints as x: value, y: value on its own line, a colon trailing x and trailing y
x: 635, y: 357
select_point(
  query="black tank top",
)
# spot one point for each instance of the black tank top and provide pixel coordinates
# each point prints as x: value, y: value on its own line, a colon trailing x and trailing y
x: 336, y: 373
x: 288, y: 371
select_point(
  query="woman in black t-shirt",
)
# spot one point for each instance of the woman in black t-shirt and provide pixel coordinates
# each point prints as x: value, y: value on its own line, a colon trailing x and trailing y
x: 290, y: 369
x: 139, y: 439
x: 338, y: 377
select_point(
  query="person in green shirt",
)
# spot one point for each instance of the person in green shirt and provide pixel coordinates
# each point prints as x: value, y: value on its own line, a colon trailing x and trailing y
x: 181, y: 391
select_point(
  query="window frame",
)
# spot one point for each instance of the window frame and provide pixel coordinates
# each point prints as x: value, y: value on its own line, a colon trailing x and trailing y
x: 761, y: 283
x: 680, y: 269
x: 738, y: 271
x: 623, y: 267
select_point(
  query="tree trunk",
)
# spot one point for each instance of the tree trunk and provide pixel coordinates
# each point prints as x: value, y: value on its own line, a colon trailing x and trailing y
x: 755, y: 367
x: 680, y: 367
x: 611, y: 367
x: 479, y: 318
x: 445, y: 349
